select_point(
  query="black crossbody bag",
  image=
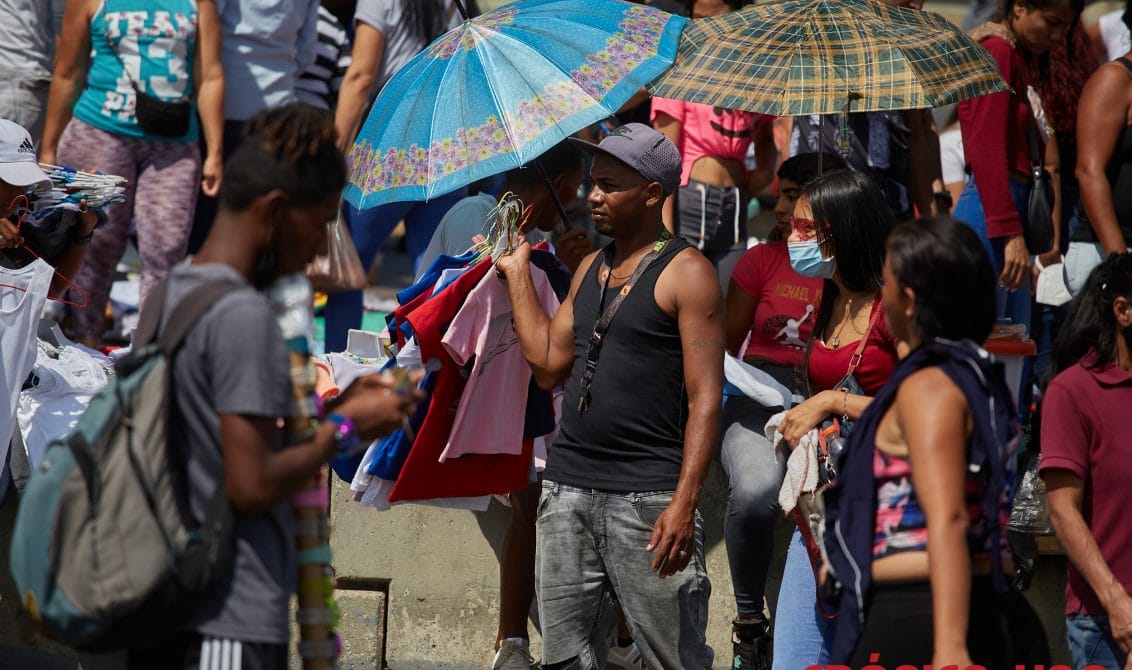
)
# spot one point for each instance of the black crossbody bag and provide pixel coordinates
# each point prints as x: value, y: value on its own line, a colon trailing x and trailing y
x: 156, y: 116
x: 1038, y: 231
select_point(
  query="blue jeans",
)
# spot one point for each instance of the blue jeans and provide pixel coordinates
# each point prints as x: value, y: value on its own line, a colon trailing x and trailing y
x: 369, y: 229
x: 591, y: 545
x: 1091, y: 643
x: 1014, y: 305
x: 801, y: 634
x: 754, y: 476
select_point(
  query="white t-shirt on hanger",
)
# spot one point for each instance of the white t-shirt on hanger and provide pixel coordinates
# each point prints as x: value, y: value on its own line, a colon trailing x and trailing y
x: 20, y: 309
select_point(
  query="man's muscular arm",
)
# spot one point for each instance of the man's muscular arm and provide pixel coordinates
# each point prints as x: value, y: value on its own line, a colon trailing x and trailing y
x: 689, y: 284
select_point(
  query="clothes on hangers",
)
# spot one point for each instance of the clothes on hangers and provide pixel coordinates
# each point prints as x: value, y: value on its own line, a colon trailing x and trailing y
x: 456, y: 451
x: 22, y: 297
x: 59, y: 388
x: 483, y: 335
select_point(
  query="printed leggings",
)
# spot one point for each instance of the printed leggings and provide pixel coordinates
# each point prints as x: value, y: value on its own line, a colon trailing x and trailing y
x: 162, y: 181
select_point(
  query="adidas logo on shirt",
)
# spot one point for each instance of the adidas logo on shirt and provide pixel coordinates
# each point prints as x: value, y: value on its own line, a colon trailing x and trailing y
x: 26, y: 147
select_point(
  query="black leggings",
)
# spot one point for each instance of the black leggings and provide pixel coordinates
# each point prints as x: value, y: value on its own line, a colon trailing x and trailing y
x: 1002, y: 629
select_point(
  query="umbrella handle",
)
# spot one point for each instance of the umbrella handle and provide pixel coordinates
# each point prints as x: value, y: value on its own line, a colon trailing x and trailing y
x: 559, y: 228
x: 463, y: 11
x: 843, y: 125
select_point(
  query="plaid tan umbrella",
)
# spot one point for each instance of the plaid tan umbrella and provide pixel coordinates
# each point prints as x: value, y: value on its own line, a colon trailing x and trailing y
x: 827, y: 56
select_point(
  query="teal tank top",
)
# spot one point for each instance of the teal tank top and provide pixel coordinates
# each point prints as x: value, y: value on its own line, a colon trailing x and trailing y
x: 156, y: 40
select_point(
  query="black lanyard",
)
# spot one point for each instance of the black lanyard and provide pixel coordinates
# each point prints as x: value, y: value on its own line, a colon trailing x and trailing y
x: 601, y: 324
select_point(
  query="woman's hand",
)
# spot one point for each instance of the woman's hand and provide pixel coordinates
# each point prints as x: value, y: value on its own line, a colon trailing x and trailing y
x: 1016, y: 263
x: 806, y: 416
x: 211, y: 172
x: 1044, y: 260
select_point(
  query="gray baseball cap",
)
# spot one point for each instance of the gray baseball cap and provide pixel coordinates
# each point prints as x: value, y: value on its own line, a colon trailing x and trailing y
x: 642, y: 148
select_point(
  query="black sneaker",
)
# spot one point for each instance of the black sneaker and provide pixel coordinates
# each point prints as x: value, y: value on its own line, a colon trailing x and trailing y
x: 750, y: 645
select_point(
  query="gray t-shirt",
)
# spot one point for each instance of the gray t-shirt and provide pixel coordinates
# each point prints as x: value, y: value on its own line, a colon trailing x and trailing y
x: 401, y: 44
x: 28, y: 28
x: 265, y: 45
x: 235, y: 361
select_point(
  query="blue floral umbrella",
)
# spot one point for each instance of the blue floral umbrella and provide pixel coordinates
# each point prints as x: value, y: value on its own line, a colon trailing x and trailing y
x: 501, y: 89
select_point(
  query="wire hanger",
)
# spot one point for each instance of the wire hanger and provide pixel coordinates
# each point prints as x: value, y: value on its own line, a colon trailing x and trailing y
x: 505, y: 219
x: 66, y: 280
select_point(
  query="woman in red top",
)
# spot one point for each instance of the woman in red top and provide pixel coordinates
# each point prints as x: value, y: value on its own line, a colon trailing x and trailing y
x: 776, y: 308
x: 839, y: 228
x: 996, y: 143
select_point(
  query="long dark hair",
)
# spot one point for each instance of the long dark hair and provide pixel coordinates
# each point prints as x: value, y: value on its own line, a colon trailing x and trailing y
x: 1089, y: 323
x: 1062, y: 79
x: 426, y: 19
x: 947, y: 267
x: 853, y: 216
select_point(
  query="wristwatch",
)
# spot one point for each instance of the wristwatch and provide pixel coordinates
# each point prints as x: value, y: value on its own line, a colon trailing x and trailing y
x: 345, y: 433
x: 943, y: 200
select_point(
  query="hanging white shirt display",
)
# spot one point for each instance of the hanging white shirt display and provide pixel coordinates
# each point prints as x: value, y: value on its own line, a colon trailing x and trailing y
x: 22, y: 297
x: 62, y: 382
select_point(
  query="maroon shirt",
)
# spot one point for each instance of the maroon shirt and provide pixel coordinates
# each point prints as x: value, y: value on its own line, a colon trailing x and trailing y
x: 1082, y: 432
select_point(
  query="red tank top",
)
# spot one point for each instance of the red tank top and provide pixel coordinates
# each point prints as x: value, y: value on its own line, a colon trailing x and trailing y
x: 878, y: 360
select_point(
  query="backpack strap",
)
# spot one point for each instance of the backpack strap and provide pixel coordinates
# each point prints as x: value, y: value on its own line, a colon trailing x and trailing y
x: 152, y: 310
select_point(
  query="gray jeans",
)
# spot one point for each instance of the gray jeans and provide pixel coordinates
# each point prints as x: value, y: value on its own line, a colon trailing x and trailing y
x: 591, y: 545
x: 24, y: 101
x: 754, y: 476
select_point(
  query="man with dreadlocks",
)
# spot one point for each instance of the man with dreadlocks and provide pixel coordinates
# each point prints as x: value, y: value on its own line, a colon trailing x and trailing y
x: 232, y: 378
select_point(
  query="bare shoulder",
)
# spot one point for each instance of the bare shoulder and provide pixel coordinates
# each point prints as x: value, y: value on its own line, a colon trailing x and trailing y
x: 1109, y: 82
x: 690, y: 270
x: 689, y: 280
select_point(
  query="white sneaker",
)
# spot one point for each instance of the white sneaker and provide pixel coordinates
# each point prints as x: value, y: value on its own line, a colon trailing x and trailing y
x: 513, y: 654
x: 625, y: 658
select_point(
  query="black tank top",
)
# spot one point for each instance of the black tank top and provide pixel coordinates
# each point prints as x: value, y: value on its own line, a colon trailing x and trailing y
x: 631, y: 438
x: 1119, y: 173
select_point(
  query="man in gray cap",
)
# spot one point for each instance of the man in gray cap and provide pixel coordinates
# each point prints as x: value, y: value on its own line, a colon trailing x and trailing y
x: 639, y: 344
